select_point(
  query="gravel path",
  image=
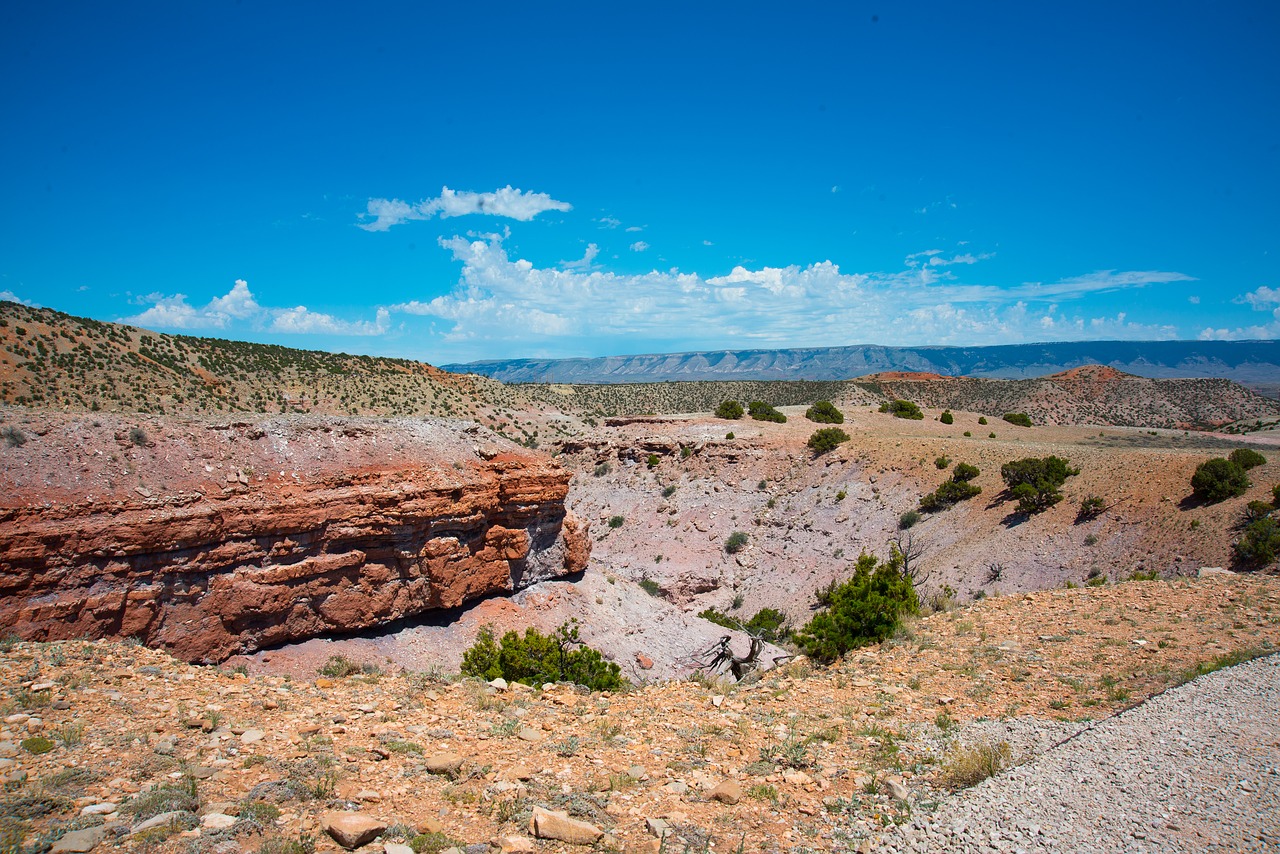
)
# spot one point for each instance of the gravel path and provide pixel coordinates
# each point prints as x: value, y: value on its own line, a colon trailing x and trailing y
x: 1194, y: 769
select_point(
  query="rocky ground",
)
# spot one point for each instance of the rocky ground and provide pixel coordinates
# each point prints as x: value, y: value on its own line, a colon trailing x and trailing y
x: 113, y: 744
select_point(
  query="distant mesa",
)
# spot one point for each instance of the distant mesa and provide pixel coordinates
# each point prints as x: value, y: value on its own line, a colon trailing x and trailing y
x: 1251, y: 363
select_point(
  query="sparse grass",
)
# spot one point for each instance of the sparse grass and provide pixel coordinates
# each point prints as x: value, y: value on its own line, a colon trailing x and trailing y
x: 1228, y: 659
x: 762, y: 792
x: 967, y: 766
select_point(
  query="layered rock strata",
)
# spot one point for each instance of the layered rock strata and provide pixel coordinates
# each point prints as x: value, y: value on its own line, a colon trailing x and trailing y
x: 209, y: 571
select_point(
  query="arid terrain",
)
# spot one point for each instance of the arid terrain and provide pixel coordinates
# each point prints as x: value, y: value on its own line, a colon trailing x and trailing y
x: 238, y: 583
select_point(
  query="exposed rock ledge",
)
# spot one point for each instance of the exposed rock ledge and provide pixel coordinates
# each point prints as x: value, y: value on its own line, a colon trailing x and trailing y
x: 344, y: 525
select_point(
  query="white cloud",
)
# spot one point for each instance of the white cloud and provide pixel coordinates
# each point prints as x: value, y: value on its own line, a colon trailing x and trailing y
x: 707, y: 243
x: 1194, y: 300
x: 639, y: 246
x: 300, y: 320
x: 10, y: 296
x: 1261, y: 299
x: 239, y: 304
x: 836, y: 188
x: 587, y: 260
x: 510, y: 304
x: 609, y: 222
x: 635, y: 228
x: 506, y: 202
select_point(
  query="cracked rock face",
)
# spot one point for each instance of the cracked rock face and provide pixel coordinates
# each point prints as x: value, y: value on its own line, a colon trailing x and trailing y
x: 211, y: 540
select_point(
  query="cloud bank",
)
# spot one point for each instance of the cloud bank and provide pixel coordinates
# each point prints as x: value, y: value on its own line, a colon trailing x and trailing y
x: 507, y: 202
x: 519, y: 306
x: 238, y: 304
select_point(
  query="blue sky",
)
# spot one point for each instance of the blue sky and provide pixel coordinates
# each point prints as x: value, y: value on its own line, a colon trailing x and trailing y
x: 512, y: 180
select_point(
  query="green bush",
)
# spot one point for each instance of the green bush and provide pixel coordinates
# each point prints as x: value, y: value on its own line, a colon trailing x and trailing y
x: 668, y: 491
x: 768, y: 624
x: 1021, y: 419
x: 736, y: 542
x: 964, y: 472
x: 1091, y: 507
x: 535, y: 659
x: 616, y: 521
x: 37, y: 744
x: 982, y: 419
x: 902, y: 409
x: 908, y: 519
x: 652, y: 461
x: 730, y: 409
x: 1255, y: 510
x: 824, y: 412
x: 1247, y: 458
x: 946, y: 417
x: 942, y: 462
x: 827, y: 439
x: 947, y: 495
x: 864, y: 610
x: 1260, y: 543
x: 1275, y: 495
x: 1035, y: 481
x: 761, y: 411
x: 1218, y: 479
x: 648, y: 585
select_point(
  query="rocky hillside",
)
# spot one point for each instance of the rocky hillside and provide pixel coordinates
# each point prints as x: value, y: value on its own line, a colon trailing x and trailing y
x: 215, y: 537
x: 106, y: 744
x: 1248, y: 362
x: 1092, y: 394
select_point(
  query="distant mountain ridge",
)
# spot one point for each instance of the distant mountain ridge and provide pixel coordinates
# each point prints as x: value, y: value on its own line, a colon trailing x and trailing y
x: 1252, y: 363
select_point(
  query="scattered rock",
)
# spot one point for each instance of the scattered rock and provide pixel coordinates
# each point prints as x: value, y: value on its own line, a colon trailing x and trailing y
x: 79, y: 841
x: 448, y: 764
x: 351, y: 829
x: 216, y: 821
x: 727, y: 792
x: 549, y: 824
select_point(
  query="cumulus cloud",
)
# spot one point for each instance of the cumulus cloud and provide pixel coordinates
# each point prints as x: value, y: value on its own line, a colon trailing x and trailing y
x: 586, y: 262
x: 1261, y: 299
x: 635, y: 228
x: 10, y: 296
x: 639, y: 246
x: 506, y: 202
x: 239, y: 305
x: 500, y: 301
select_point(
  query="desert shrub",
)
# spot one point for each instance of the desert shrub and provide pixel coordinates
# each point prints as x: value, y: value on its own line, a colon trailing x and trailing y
x: 1091, y: 506
x: 969, y: 766
x: 735, y: 542
x: 1218, y: 479
x: 824, y: 412
x: 761, y: 411
x: 1255, y: 510
x: 535, y: 658
x: 947, y: 495
x: 827, y: 439
x: 616, y: 521
x: 729, y: 435
x: 946, y: 417
x: 1275, y: 495
x: 602, y: 469
x: 137, y: 436
x: 967, y: 434
x: 648, y: 585
x: 13, y: 437
x: 942, y: 462
x: 902, y: 409
x: 729, y: 409
x: 908, y: 519
x: 866, y: 609
x: 339, y: 667
x: 1020, y: 419
x: 685, y: 452
x: 1260, y: 542
x: 1247, y: 458
x: 652, y: 461
x: 1035, y: 481
x: 668, y: 491
x: 37, y: 744
x: 982, y: 419
x: 768, y: 624
x: 964, y: 472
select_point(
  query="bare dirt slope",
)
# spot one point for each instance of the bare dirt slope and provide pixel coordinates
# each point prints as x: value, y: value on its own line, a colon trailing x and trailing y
x: 819, y: 759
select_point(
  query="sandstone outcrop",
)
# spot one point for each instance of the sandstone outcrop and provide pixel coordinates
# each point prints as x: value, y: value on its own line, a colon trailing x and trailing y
x: 340, y: 527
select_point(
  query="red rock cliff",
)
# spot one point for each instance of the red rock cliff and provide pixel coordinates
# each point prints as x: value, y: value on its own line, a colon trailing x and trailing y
x: 213, y: 539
